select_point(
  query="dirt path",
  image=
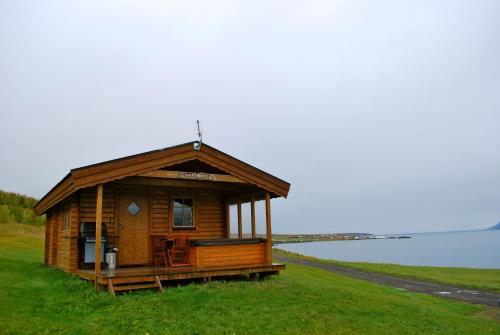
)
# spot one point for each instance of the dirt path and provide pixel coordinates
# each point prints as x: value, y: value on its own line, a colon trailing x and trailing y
x: 440, y: 290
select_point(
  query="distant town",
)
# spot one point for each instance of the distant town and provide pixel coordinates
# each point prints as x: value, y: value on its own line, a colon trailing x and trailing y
x: 298, y: 238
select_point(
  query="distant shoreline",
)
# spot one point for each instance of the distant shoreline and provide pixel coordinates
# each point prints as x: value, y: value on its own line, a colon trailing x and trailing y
x: 304, y: 238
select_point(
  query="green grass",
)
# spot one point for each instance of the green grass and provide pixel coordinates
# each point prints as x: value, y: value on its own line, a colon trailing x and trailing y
x: 38, y: 300
x: 487, y: 279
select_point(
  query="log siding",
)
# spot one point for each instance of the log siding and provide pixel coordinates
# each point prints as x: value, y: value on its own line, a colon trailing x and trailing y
x: 61, y: 247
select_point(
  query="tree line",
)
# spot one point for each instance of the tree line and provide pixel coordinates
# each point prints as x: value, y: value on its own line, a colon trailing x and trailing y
x: 18, y: 208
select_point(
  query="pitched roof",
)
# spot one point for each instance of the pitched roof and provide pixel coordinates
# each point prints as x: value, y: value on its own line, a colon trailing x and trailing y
x: 91, y: 175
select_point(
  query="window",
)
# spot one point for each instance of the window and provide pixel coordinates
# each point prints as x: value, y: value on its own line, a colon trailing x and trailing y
x: 183, y: 212
x: 133, y: 208
x: 66, y: 220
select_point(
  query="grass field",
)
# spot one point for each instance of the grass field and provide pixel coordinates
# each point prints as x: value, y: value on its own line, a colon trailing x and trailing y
x: 487, y: 279
x: 38, y: 300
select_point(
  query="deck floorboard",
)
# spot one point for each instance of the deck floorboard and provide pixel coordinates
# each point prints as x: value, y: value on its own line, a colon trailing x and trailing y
x: 148, y: 273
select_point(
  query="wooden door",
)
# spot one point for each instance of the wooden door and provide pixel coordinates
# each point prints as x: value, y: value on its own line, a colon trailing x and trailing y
x: 134, y: 230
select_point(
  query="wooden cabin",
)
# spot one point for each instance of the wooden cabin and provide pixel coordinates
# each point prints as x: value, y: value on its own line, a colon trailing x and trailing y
x: 149, y: 202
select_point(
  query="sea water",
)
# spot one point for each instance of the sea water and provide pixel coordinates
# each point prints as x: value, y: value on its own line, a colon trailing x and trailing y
x: 474, y: 249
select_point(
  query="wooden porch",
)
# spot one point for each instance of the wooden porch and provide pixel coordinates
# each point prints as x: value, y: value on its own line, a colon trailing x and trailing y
x: 207, y: 258
x: 142, y: 277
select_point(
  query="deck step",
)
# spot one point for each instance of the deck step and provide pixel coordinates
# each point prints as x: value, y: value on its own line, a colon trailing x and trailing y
x: 134, y: 285
x: 131, y: 287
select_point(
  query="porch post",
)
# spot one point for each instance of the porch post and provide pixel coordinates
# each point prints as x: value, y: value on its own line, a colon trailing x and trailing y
x: 228, y: 221
x: 252, y: 214
x: 240, y: 228
x: 98, y: 231
x: 269, y: 239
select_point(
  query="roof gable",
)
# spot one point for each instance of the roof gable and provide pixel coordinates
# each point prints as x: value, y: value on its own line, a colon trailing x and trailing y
x: 194, y: 165
x: 116, y: 169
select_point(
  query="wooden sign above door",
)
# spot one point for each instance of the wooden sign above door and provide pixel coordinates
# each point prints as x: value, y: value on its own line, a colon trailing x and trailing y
x: 192, y: 176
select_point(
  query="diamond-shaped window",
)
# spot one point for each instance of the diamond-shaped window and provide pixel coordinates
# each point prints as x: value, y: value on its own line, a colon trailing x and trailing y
x: 133, y: 208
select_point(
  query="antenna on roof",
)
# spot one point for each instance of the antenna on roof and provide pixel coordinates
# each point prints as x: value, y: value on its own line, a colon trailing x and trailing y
x: 197, y: 145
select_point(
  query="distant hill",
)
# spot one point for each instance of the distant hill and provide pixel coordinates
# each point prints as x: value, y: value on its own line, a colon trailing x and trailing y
x: 18, y: 208
x: 495, y: 227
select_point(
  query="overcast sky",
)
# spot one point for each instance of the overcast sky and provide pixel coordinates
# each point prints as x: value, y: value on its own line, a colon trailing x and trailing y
x: 383, y: 115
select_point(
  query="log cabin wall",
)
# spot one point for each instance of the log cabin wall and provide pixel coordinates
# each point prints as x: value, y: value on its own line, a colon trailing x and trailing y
x: 52, y: 237
x: 55, y: 235
x: 209, y: 216
x: 159, y: 211
x: 74, y: 232
x: 66, y: 240
x: 63, y: 247
x: 209, y: 207
x: 87, y: 207
x: 49, y: 239
x: 210, y: 222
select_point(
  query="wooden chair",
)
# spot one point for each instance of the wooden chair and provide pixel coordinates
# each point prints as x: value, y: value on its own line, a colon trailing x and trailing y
x: 158, y: 244
x: 179, y: 254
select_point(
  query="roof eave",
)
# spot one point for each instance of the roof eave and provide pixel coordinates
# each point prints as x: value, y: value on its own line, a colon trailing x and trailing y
x: 91, y: 175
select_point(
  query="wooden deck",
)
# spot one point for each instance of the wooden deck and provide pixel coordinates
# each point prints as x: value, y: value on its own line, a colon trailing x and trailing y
x: 151, y: 274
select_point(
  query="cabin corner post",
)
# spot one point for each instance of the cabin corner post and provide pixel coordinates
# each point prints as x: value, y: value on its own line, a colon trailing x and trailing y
x: 98, y: 234
x: 269, y: 238
x: 228, y: 221
x: 47, y: 240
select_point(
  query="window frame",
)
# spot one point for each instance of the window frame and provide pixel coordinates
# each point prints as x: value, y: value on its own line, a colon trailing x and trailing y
x: 193, y: 212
